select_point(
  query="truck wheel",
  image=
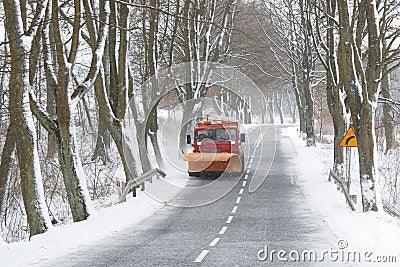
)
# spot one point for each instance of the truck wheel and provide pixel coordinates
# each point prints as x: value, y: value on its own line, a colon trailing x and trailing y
x: 194, y: 174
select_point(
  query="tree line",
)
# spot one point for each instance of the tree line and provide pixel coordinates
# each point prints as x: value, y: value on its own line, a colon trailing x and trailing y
x: 56, y: 53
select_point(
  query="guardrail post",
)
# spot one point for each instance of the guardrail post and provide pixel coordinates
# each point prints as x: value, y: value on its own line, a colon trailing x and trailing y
x: 123, y: 185
x: 134, y: 191
x: 118, y: 184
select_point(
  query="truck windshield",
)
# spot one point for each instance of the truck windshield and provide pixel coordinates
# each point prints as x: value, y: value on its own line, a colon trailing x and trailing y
x: 216, y: 135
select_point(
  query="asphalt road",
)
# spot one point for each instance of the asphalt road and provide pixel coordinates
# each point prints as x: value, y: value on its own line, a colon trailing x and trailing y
x: 230, y: 231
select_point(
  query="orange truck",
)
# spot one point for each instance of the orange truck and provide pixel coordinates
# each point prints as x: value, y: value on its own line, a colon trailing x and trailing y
x: 216, y: 148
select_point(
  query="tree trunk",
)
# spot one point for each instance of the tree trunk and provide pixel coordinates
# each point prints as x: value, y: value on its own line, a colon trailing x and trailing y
x: 367, y: 160
x: 271, y: 110
x: 299, y: 98
x: 361, y: 94
x: 102, y: 142
x: 367, y: 148
x: 21, y: 118
x: 7, y: 159
x: 140, y: 131
x: 388, y: 116
x: 152, y: 57
x: 335, y: 104
x: 292, y: 107
x: 103, y: 135
x: 306, y: 69
x: 70, y: 163
x: 115, y: 128
x: 278, y: 104
x: 50, y: 108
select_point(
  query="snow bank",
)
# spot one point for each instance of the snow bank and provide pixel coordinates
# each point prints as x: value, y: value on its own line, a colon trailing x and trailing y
x: 69, y: 238
x: 377, y: 232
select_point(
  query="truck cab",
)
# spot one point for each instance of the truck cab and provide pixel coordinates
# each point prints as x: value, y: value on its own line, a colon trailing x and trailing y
x: 216, y: 148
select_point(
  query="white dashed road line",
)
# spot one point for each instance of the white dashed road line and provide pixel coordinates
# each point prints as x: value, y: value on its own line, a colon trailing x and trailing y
x: 234, y: 209
x: 223, y: 230
x: 214, y: 242
x: 238, y: 200
x: 202, y: 255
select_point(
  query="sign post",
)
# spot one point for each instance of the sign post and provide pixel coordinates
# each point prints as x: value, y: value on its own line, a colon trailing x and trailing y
x: 349, y: 140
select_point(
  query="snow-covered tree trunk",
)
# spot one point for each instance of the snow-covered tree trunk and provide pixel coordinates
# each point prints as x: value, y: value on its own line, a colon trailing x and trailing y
x: 70, y: 163
x: 306, y: 70
x: 278, y: 104
x: 51, y: 110
x: 271, y: 109
x: 367, y: 148
x: 291, y: 106
x: 388, y: 116
x: 362, y: 87
x: 103, y: 135
x: 7, y: 158
x: 116, y: 129
x: 334, y: 92
x: 152, y: 59
x: 21, y: 118
x: 112, y: 106
x: 102, y: 141
x: 140, y: 131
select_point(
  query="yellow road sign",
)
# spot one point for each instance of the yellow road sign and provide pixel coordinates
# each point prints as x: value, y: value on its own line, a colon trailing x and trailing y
x: 349, y: 139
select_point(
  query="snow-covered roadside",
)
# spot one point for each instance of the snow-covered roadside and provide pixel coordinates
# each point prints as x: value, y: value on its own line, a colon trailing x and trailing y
x: 374, y: 232
x: 65, y: 239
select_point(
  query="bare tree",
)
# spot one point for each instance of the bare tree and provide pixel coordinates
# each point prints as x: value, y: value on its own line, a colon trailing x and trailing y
x: 21, y: 121
x: 63, y: 129
x: 325, y: 41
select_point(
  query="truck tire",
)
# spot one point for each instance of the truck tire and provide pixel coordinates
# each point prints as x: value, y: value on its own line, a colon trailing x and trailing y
x: 194, y: 174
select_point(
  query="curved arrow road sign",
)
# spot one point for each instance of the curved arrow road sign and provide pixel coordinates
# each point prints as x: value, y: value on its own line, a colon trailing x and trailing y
x: 349, y: 139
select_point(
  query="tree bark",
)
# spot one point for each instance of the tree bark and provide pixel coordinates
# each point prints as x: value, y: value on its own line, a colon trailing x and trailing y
x: 388, y: 116
x: 306, y: 69
x: 21, y: 118
x: 278, y: 104
x: 51, y: 109
x: 70, y: 163
x: 7, y: 159
x: 152, y: 58
x: 335, y: 104
x: 361, y: 88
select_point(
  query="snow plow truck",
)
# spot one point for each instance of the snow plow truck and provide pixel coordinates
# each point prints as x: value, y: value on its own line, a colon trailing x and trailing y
x: 216, y: 148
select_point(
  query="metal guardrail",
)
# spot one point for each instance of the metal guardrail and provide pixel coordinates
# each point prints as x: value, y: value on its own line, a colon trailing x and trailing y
x: 137, y: 182
x: 388, y: 208
x: 343, y: 187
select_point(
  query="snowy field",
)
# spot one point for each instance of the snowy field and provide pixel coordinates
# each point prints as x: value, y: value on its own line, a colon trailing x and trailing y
x: 375, y: 232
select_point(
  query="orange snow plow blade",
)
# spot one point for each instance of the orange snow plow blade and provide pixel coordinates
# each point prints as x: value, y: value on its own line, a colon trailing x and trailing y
x: 210, y: 162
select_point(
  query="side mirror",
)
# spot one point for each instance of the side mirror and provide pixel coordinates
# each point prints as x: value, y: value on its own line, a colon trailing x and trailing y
x: 188, y: 139
x: 242, y: 137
